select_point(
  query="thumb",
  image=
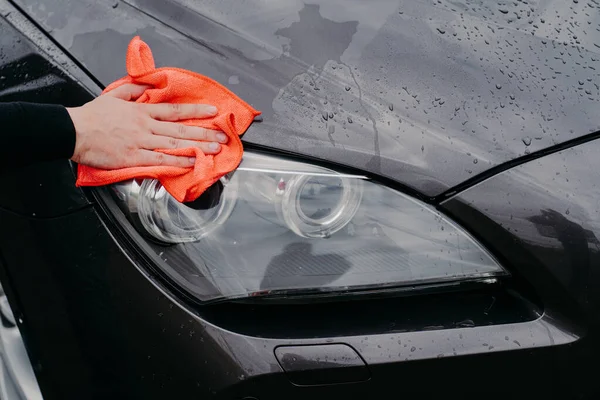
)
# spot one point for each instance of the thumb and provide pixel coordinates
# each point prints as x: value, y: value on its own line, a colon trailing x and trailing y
x: 128, y: 92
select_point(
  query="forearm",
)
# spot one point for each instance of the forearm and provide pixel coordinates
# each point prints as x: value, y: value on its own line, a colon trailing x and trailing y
x: 31, y: 133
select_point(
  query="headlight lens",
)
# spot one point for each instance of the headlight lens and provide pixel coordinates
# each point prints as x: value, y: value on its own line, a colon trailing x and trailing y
x: 277, y: 226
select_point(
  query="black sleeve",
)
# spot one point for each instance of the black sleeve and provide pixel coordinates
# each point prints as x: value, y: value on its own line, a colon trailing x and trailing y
x: 31, y: 132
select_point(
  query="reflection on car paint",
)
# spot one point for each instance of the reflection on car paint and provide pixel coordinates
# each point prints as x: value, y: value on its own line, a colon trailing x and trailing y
x: 470, y: 86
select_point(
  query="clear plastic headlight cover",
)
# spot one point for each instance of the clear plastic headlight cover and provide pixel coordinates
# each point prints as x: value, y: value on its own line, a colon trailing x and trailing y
x: 281, y: 227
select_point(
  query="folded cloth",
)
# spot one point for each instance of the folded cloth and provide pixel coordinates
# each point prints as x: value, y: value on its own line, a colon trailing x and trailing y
x: 174, y: 85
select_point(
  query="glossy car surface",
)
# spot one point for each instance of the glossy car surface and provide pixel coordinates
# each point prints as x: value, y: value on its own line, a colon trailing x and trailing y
x: 473, y: 85
x: 485, y: 110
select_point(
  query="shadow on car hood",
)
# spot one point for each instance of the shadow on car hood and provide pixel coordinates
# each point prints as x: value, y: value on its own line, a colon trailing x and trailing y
x: 426, y: 93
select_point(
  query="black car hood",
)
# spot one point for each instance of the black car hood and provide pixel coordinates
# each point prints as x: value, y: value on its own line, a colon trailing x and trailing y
x: 427, y: 93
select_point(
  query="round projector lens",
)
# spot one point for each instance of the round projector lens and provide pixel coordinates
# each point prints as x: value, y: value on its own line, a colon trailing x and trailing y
x: 319, y: 197
x: 318, y: 206
x: 170, y: 221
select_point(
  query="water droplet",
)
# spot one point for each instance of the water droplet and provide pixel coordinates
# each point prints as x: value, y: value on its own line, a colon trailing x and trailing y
x: 115, y: 4
x: 325, y: 115
x: 498, y: 86
x: 568, y: 212
x: 347, y: 88
x: 503, y: 11
x: 349, y: 120
x: 330, y: 115
x: 413, y: 349
x: 527, y: 141
x: 465, y: 324
x: 475, y: 161
x: 441, y: 31
x: 391, y: 107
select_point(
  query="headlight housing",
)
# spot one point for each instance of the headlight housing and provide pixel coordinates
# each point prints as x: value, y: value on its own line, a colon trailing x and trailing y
x: 281, y: 227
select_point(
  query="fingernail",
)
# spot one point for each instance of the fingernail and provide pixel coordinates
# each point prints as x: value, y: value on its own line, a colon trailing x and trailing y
x: 214, y: 146
x: 221, y: 137
x: 192, y: 160
x: 212, y: 110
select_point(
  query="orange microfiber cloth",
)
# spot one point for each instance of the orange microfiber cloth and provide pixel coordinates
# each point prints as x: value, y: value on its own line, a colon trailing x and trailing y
x: 174, y: 85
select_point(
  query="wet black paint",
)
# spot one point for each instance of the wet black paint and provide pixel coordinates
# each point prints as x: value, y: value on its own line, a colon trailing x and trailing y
x: 478, y: 90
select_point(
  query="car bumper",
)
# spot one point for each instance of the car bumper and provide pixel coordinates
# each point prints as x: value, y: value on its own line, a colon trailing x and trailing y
x: 90, y: 311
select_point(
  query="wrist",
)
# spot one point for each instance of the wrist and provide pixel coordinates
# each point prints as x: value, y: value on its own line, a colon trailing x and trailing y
x: 74, y: 114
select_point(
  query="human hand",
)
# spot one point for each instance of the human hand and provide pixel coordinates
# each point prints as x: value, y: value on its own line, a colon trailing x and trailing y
x: 112, y: 131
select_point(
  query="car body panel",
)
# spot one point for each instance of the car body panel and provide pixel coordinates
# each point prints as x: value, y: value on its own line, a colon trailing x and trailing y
x: 425, y: 93
x: 549, y: 209
x: 543, y: 219
x: 99, y: 321
x: 101, y: 327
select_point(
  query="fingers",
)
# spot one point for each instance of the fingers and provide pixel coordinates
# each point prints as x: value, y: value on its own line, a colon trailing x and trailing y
x: 163, y: 142
x: 177, y: 112
x: 145, y: 158
x: 127, y: 92
x: 181, y: 131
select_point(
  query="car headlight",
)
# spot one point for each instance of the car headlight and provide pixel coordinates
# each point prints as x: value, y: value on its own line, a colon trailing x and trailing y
x: 277, y: 226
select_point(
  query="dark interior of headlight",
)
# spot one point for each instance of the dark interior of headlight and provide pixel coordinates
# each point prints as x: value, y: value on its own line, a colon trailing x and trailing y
x: 211, y: 198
